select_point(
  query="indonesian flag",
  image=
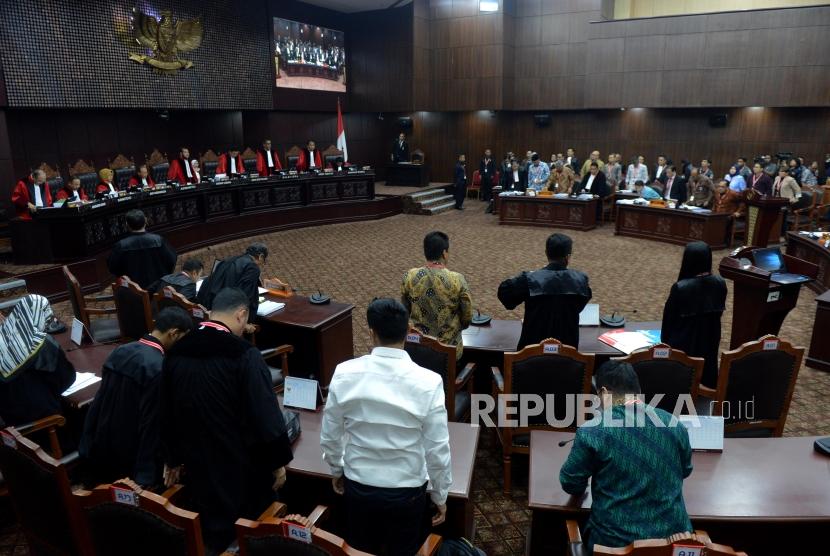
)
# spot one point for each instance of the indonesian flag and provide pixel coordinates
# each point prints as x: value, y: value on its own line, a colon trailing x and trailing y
x: 341, y: 134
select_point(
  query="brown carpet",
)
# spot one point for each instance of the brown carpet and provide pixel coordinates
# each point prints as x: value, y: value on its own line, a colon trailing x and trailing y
x: 359, y: 261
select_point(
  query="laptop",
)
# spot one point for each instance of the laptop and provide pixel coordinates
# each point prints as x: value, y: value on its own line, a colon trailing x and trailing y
x: 771, y: 260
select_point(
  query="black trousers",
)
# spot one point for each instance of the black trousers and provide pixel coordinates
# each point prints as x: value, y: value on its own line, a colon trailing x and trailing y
x: 386, y: 521
x: 460, y: 193
x: 486, y: 188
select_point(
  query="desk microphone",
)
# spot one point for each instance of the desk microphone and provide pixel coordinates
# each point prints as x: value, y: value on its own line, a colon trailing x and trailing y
x: 316, y: 298
x: 564, y: 442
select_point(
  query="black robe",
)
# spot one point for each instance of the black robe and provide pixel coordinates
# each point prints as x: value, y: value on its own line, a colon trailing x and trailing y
x: 220, y: 419
x: 121, y: 432
x: 34, y: 391
x: 691, y: 321
x: 142, y: 256
x: 553, y: 297
x: 237, y: 272
x: 179, y: 281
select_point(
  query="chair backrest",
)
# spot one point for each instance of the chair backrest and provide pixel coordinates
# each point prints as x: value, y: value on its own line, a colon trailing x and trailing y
x: 417, y: 156
x: 169, y: 297
x: 268, y: 537
x: 671, y: 546
x: 54, y: 180
x: 123, y: 168
x: 132, y: 306
x: 249, y: 160
x: 87, y: 174
x: 41, y: 495
x: 755, y: 385
x: 76, y: 297
x: 430, y: 353
x: 824, y: 203
x: 664, y: 370
x: 158, y: 164
x: 548, y: 368
x: 476, y: 179
x: 209, y: 162
x: 292, y: 156
x: 114, y: 517
x: 330, y: 155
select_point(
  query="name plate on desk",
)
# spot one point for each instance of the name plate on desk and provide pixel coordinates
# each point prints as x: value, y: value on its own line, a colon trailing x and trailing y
x: 122, y: 199
x: 154, y: 193
x: 187, y: 187
x: 258, y: 179
x: 97, y: 206
x: 301, y: 392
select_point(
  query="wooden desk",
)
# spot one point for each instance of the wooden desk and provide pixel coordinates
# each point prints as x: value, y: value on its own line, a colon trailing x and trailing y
x: 86, y: 359
x: 768, y: 484
x: 819, y: 355
x: 309, y: 478
x: 321, y: 335
x: 809, y: 249
x: 672, y: 225
x: 548, y: 212
x: 414, y: 175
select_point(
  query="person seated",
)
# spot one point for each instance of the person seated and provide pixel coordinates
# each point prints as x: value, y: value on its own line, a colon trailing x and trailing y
x: 121, y: 436
x: 728, y: 201
x: 231, y: 163
x: 786, y: 187
x: 34, y: 371
x: 438, y: 298
x: 339, y: 165
x: 183, y: 282
x: 309, y: 158
x: 105, y: 187
x: 675, y: 187
x: 561, y: 179
x: 631, y: 500
x: 31, y: 194
x: 553, y: 296
x: 701, y: 190
x: 645, y: 191
x: 594, y: 183
x: 267, y: 160
x: 513, y: 179
x: 241, y: 272
x: 736, y: 181
x: 181, y: 170
x: 72, y: 192
x: 142, y: 179
x: 142, y: 256
x: 692, y: 314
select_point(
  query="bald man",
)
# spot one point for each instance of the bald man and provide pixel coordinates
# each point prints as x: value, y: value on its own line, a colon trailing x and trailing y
x: 587, y: 166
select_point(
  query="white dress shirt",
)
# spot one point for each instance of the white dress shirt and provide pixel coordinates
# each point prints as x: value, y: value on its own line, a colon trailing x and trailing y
x: 233, y: 164
x: 144, y: 182
x: 590, y: 182
x: 38, y: 198
x: 311, y: 163
x: 385, y: 424
x: 187, y: 169
x: 659, y: 172
x: 270, y: 159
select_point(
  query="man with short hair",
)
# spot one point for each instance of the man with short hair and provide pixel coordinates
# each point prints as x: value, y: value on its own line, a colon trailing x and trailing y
x: 31, y: 194
x: 142, y: 179
x: 675, y: 186
x: 121, y: 436
x: 438, y: 298
x: 384, y: 435
x: 613, y: 171
x: 571, y: 160
x: 141, y: 256
x: 636, y: 171
x: 183, y: 282
x: 180, y: 170
x: 231, y: 163
x: 221, y: 423
x: 537, y: 174
x: 561, y: 179
x: 631, y: 500
x: 487, y: 173
x: 72, y: 191
x: 309, y: 158
x: 659, y: 170
x: 593, y: 157
x: 267, y: 160
x: 743, y: 169
x: 460, y: 181
x: 553, y: 296
x: 241, y: 272
x: 701, y: 190
x: 400, y: 149
x: 645, y: 191
x: 705, y: 169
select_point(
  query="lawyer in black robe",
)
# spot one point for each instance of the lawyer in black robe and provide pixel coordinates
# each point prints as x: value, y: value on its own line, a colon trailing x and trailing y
x: 241, y: 272
x: 142, y: 256
x: 692, y: 314
x: 221, y: 421
x: 553, y: 297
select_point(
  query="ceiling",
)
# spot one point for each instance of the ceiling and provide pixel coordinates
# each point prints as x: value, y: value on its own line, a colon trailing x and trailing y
x: 352, y: 6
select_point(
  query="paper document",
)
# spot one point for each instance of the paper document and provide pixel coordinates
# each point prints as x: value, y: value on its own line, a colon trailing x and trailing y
x: 705, y: 431
x: 589, y: 315
x: 300, y: 392
x: 625, y: 341
x: 82, y: 380
x: 268, y: 307
x: 262, y: 291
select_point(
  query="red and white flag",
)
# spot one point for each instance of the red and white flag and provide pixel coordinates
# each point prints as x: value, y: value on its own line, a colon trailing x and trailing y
x: 341, y: 134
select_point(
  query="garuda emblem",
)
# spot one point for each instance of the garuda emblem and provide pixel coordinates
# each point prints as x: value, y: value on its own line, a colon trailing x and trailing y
x: 165, y: 40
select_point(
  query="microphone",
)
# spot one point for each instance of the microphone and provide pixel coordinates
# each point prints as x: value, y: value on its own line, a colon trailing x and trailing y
x: 564, y: 442
x: 316, y: 298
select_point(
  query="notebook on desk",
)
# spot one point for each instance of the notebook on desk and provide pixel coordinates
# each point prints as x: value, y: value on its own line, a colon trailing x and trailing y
x: 589, y: 315
x: 705, y: 432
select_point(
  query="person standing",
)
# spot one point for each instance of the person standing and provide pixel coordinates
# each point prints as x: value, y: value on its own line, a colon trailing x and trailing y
x: 384, y: 436
x: 438, y: 298
x: 141, y: 256
x: 537, y: 174
x: 637, y: 171
x: 31, y: 194
x: 701, y: 190
x: 400, y: 149
x: 460, y: 181
x: 613, y: 172
x: 487, y: 172
x: 586, y: 167
x: 760, y: 181
x: 180, y: 170
x: 553, y: 296
x: 267, y: 160
x: 675, y: 188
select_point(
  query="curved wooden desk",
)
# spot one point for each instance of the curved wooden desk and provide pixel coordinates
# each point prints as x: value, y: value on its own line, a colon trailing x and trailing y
x: 676, y: 226
x: 807, y: 248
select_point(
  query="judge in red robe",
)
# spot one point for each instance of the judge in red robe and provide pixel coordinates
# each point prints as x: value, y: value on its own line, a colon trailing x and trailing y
x: 31, y: 194
x: 72, y: 191
x: 231, y: 163
x: 106, y: 187
x: 142, y: 179
x: 267, y: 160
x: 181, y: 170
x: 307, y: 155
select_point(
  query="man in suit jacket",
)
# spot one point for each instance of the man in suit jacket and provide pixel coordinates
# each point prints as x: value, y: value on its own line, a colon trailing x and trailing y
x: 659, y: 172
x: 594, y: 182
x: 572, y: 161
x: 460, y: 181
x: 675, y: 186
x: 487, y: 171
x: 400, y: 149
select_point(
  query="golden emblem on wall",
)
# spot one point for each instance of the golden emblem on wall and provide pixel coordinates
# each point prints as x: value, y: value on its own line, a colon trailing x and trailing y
x: 165, y: 40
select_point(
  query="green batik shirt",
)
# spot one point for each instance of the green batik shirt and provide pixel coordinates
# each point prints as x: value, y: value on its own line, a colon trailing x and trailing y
x: 636, y: 475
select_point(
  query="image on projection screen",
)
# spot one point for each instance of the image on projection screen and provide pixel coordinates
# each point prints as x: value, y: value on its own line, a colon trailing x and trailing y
x: 309, y: 57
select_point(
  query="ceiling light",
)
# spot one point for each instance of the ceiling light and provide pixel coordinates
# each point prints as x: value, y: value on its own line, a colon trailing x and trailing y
x: 488, y: 6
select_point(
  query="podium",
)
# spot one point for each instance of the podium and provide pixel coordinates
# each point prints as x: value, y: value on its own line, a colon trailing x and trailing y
x: 760, y: 305
x: 763, y: 218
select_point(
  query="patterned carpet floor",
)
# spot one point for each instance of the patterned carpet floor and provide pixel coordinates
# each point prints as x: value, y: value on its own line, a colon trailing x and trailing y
x: 359, y: 261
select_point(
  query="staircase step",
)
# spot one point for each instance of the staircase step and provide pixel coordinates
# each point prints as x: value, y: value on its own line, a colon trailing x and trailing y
x: 436, y: 201
x: 428, y: 194
x: 438, y: 209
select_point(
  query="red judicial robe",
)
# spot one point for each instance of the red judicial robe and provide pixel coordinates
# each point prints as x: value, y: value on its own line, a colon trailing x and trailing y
x: 262, y: 162
x: 135, y: 181
x: 23, y: 194
x: 302, y: 162
x: 224, y: 166
x: 178, y: 173
x: 67, y: 193
x: 104, y: 187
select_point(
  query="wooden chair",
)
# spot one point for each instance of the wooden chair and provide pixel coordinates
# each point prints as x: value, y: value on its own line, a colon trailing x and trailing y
x: 209, y: 161
x: 11, y: 292
x: 49, y: 427
x: 292, y: 157
x: 123, y: 169
x: 608, y: 203
x: 169, y: 297
x: 547, y: 368
x: 650, y: 547
x: 39, y: 488
x: 440, y: 358
x: 475, y: 185
x: 823, y: 206
x: 101, y: 329
x: 417, y: 157
x: 133, y: 308
x: 763, y: 373
x: 158, y: 164
x: 804, y: 218
x: 87, y: 174
x: 53, y: 178
x: 330, y: 155
x: 266, y: 537
x: 124, y: 519
x: 664, y: 370
x: 249, y: 160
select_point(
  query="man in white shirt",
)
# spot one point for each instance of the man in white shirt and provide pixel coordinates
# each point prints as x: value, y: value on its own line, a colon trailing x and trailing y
x: 636, y: 171
x: 384, y: 434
